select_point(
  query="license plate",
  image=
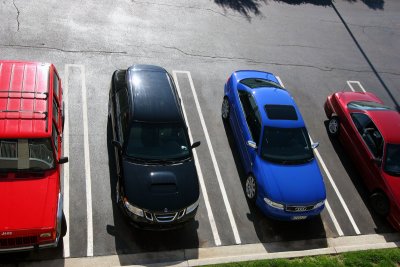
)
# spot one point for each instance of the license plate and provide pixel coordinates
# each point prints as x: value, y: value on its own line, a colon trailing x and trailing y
x: 299, y: 217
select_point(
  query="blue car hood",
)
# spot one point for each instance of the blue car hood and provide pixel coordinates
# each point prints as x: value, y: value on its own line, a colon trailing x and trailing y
x: 293, y: 184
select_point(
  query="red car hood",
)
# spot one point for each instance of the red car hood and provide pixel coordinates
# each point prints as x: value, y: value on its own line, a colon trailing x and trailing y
x: 28, y: 202
x: 346, y: 97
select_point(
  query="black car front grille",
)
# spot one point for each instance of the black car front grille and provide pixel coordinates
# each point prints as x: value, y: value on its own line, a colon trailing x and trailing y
x: 299, y: 208
x: 15, y: 242
x: 165, y: 217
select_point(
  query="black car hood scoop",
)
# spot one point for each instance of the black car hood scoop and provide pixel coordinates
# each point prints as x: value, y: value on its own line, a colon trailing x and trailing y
x: 163, y: 182
x: 156, y: 187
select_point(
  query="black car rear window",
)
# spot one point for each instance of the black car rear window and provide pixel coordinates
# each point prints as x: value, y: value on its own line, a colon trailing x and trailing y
x: 257, y: 83
x: 281, y: 112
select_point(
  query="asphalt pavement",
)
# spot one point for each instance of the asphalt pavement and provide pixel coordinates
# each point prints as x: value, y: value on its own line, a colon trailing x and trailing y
x: 315, y: 47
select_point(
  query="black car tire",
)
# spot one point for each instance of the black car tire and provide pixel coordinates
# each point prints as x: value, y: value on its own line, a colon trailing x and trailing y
x: 251, y: 188
x: 380, y: 203
x: 225, y: 109
x: 63, y: 226
x: 333, y: 126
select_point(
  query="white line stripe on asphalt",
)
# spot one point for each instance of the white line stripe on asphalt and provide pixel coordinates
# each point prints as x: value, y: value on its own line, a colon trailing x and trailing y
x: 346, y: 209
x: 88, y: 179
x: 335, y: 222
x: 66, y: 166
x: 214, y: 160
x: 355, y: 82
x: 214, y: 229
x: 87, y: 166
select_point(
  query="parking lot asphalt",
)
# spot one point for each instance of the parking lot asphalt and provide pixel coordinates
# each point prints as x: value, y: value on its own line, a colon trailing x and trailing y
x: 315, y: 47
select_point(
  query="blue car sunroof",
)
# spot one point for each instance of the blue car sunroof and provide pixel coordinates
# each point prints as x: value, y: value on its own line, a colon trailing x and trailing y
x: 281, y: 112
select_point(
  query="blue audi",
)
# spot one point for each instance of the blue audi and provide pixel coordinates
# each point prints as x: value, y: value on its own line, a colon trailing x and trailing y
x: 282, y: 174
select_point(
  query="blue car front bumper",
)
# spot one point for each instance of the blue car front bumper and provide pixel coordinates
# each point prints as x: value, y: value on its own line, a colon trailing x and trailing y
x: 285, y: 215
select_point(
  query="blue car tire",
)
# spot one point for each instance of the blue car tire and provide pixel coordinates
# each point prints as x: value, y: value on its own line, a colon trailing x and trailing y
x: 251, y: 188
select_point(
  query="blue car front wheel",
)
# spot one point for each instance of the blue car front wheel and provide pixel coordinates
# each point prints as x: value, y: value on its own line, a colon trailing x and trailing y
x: 251, y: 188
x: 225, y: 109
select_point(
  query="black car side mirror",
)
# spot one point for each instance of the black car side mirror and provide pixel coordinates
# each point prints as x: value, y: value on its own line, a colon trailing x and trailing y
x: 195, y: 144
x: 63, y: 160
x: 117, y: 144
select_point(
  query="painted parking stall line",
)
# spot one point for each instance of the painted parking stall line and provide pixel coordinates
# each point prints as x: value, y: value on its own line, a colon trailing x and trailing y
x: 354, y: 84
x: 66, y: 252
x: 210, y: 214
x: 213, y: 158
x: 339, y: 195
x: 88, y: 182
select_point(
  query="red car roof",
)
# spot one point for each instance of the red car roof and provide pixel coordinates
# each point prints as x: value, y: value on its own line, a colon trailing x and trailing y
x: 25, y: 99
x: 387, y: 121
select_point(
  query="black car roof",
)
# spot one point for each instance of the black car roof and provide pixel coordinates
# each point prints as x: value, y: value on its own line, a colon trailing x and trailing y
x: 152, y: 94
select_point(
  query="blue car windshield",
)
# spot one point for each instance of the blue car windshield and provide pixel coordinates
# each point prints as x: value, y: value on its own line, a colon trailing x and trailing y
x: 286, y: 145
x: 392, y: 160
x: 157, y: 141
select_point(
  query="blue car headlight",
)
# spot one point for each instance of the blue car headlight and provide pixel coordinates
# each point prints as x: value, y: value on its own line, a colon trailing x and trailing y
x: 319, y: 204
x: 135, y: 210
x: 273, y: 204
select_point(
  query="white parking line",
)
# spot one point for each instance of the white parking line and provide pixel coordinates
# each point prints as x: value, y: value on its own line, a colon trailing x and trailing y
x: 66, y: 166
x: 214, y: 229
x: 88, y: 179
x: 358, y: 84
x: 335, y: 222
x: 216, y: 167
x: 328, y: 174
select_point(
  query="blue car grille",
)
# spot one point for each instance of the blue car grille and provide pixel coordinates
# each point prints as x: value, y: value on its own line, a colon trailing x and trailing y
x: 299, y: 208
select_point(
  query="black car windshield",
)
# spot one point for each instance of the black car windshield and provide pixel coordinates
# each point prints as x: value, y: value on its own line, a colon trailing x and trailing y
x: 286, y: 145
x: 367, y: 105
x: 157, y: 141
x: 392, y: 160
x: 26, y: 155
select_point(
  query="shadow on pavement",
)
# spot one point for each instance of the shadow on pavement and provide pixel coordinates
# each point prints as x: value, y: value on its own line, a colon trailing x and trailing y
x: 34, y: 257
x: 382, y: 225
x: 307, y: 234
x: 130, y: 240
x: 250, y: 8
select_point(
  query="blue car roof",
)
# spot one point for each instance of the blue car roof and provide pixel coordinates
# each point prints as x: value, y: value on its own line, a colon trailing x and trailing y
x: 270, y: 96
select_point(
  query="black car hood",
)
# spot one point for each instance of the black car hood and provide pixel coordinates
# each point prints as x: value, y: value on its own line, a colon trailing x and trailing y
x: 157, y: 187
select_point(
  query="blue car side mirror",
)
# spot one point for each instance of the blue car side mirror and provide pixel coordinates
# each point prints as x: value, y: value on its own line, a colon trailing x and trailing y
x: 252, y: 144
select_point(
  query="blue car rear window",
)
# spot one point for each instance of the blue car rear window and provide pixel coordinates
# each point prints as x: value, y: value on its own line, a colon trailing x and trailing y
x: 281, y: 112
x: 257, y: 83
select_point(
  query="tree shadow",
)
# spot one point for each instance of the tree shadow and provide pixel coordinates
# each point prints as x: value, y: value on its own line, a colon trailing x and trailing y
x: 247, y: 8
x: 250, y: 8
x: 276, y: 235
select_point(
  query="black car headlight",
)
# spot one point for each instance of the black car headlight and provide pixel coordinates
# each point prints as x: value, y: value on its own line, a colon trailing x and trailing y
x: 133, y: 209
x: 192, y: 207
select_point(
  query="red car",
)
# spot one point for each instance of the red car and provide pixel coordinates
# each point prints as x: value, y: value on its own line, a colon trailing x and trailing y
x: 31, y: 125
x: 370, y: 133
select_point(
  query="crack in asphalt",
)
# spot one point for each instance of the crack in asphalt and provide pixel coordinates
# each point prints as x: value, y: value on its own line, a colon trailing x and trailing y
x: 65, y: 50
x: 252, y: 61
x: 187, y: 7
x: 18, y: 12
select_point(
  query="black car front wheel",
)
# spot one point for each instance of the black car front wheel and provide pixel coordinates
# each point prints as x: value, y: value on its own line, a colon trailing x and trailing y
x: 251, y: 188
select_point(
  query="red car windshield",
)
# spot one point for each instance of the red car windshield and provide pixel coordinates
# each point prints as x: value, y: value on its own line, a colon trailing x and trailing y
x: 26, y: 155
x: 392, y: 161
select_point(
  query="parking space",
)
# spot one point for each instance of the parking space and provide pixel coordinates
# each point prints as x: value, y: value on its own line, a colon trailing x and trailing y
x: 310, y: 72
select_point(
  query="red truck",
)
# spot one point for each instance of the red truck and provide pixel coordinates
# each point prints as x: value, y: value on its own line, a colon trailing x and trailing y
x: 31, y: 126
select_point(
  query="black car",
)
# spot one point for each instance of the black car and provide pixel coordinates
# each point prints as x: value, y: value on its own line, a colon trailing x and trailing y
x: 157, y: 186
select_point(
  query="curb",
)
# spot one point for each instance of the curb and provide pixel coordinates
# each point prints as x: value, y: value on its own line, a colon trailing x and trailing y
x: 234, y: 253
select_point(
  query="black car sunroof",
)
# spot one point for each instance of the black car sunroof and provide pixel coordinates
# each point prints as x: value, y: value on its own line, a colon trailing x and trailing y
x: 281, y: 112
